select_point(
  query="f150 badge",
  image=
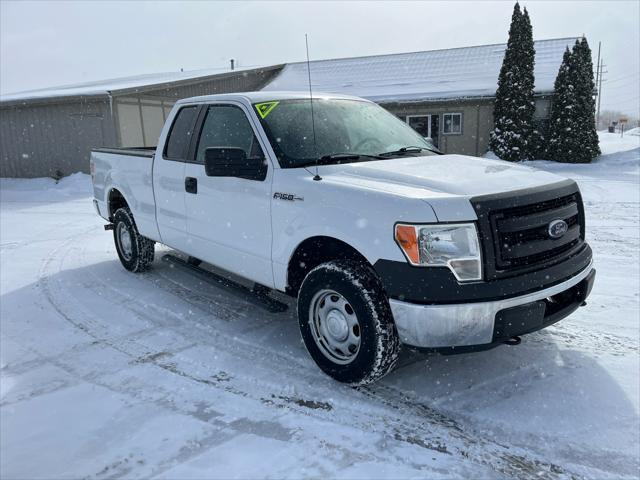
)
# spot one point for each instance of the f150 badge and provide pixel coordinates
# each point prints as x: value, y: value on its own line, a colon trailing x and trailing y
x: 287, y: 196
x: 557, y: 228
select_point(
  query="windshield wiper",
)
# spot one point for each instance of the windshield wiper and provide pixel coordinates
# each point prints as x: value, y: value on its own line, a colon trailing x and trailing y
x: 337, y: 158
x: 403, y: 151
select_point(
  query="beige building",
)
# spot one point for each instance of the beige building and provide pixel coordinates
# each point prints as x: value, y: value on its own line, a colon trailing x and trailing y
x: 51, y: 132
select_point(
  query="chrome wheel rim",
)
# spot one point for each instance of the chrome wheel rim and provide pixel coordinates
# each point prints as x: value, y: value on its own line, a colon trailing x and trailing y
x: 334, y: 326
x: 124, y: 241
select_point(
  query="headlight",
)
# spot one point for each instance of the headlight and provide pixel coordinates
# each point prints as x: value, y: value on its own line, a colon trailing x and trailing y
x: 448, y: 245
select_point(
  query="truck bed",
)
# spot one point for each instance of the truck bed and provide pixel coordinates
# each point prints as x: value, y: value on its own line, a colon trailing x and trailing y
x: 130, y: 169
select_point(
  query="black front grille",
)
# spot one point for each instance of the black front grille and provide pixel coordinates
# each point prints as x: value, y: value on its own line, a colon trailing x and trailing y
x: 514, y: 229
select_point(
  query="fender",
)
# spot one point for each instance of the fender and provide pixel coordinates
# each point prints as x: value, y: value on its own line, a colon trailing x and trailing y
x: 144, y: 218
x: 280, y: 269
x: 354, y: 217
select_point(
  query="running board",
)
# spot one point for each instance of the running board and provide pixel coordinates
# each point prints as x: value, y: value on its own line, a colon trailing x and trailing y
x: 258, y: 295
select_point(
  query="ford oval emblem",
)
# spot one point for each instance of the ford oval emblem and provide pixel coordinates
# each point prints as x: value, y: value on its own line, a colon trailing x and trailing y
x: 557, y: 228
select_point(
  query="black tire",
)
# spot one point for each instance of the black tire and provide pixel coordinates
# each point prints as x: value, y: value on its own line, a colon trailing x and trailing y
x: 138, y: 255
x: 379, y: 346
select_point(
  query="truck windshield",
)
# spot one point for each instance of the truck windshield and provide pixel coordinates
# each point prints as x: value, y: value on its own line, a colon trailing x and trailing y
x: 345, y: 131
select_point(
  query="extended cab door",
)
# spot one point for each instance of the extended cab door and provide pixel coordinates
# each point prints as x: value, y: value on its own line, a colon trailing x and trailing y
x: 229, y: 218
x: 168, y: 178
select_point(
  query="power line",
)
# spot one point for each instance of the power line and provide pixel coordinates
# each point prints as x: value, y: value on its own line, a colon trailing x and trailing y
x: 622, y: 101
x: 622, y: 77
x: 616, y: 92
x: 624, y: 81
x: 627, y: 99
x: 620, y: 94
x: 615, y: 101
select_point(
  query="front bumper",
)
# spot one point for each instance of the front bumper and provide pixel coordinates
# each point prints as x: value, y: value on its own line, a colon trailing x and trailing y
x: 489, y: 322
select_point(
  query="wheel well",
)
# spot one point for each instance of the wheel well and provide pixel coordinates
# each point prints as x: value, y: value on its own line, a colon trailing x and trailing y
x: 116, y: 201
x: 311, y: 253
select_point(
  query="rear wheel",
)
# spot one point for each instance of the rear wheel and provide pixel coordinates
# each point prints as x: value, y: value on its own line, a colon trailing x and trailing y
x: 135, y: 251
x: 346, y: 322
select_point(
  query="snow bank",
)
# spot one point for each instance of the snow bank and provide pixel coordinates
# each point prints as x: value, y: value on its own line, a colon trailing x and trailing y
x: 613, y: 142
x: 611, y: 177
x: 610, y: 143
x: 45, y: 189
x: 620, y: 166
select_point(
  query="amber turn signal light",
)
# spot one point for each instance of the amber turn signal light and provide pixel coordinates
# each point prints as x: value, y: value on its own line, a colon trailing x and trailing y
x: 408, y: 242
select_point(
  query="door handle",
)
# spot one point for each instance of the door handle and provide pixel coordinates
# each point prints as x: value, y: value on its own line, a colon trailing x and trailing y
x: 191, y: 185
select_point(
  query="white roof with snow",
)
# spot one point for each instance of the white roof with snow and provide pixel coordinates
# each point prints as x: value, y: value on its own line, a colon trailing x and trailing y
x: 104, y: 87
x: 431, y: 75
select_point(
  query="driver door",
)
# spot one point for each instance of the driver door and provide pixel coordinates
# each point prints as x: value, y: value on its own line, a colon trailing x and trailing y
x: 229, y: 218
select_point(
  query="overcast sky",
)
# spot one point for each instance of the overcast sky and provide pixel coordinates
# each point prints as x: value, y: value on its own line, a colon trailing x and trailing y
x: 50, y: 43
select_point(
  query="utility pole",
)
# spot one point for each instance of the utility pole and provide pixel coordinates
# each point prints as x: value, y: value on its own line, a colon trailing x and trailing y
x: 602, y: 72
x: 598, y: 66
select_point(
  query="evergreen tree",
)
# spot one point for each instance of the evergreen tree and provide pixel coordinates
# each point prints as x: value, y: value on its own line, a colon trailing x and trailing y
x: 572, y: 130
x: 538, y: 143
x: 562, y: 144
x: 586, y: 104
x: 514, y: 106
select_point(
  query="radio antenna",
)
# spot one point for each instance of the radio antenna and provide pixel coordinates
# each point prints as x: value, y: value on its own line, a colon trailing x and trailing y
x: 313, y: 122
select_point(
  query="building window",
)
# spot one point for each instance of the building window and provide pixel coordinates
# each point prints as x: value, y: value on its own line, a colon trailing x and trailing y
x: 543, y: 108
x: 452, y: 123
x: 425, y: 125
x: 421, y: 124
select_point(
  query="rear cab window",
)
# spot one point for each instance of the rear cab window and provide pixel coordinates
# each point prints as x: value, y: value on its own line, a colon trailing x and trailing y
x: 180, y: 134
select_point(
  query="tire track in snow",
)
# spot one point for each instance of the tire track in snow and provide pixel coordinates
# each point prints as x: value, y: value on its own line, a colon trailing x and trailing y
x: 411, y: 438
x: 406, y: 420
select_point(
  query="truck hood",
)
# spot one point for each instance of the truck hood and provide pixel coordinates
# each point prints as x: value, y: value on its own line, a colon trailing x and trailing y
x: 446, y: 182
x: 442, y: 175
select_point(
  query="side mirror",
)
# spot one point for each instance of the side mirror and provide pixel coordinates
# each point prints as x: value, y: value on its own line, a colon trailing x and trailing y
x: 233, y: 162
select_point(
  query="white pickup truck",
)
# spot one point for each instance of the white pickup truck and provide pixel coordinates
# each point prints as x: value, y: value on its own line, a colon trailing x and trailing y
x: 335, y: 201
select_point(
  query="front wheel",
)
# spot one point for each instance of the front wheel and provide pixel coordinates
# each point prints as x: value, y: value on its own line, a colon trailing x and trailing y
x: 135, y: 251
x: 346, y: 322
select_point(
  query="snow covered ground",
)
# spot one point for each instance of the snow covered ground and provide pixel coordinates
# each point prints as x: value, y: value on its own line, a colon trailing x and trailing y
x: 105, y: 373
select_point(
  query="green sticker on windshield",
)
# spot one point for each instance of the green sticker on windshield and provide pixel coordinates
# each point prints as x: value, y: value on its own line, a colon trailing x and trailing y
x: 265, y: 108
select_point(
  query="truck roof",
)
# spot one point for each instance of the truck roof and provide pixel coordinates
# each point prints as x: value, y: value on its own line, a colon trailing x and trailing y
x: 255, y: 97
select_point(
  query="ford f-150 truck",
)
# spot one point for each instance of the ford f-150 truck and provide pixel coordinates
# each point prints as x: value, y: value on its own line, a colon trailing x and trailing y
x: 335, y: 201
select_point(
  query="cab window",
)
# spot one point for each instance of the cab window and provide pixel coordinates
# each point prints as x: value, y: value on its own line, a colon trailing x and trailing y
x: 227, y: 126
x: 180, y: 134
